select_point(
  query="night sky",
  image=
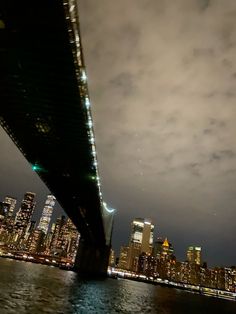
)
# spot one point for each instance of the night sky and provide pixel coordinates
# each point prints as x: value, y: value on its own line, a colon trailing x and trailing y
x: 162, y: 78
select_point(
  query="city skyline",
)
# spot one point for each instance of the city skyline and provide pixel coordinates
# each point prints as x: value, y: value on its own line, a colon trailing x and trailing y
x: 171, y: 122
x: 141, y: 234
x: 142, y: 259
x: 44, y: 241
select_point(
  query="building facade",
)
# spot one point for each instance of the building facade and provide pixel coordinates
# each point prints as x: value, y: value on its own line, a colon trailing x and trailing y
x: 24, y: 215
x: 141, y: 241
x: 47, y: 214
x: 194, y: 254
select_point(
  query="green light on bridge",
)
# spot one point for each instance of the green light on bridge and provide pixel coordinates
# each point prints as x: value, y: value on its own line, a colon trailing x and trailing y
x: 91, y: 177
x: 37, y: 168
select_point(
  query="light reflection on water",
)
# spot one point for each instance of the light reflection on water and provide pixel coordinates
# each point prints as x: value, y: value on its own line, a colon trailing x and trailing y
x: 31, y: 288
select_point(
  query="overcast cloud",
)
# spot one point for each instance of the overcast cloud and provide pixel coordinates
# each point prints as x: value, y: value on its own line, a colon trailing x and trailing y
x: 162, y: 82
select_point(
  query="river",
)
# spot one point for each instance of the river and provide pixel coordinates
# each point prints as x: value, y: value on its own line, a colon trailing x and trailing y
x: 27, y: 288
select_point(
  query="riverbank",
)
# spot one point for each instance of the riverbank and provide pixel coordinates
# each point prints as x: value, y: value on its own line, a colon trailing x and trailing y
x: 119, y: 274
x: 46, y: 260
x: 221, y: 294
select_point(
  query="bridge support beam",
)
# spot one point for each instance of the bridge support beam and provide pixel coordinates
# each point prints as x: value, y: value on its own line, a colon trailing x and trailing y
x: 91, y: 260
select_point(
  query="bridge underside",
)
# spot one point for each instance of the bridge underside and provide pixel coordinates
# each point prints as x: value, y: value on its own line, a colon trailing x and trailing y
x: 43, y: 108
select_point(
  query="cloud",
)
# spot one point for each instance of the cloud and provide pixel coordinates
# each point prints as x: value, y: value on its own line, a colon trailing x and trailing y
x: 162, y: 83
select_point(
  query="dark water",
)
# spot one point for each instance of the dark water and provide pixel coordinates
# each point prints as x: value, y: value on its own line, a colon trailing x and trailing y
x: 32, y: 288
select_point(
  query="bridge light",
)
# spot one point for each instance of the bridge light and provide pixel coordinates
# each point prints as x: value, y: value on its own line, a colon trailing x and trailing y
x: 87, y: 103
x: 37, y: 168
x: 90, y: 123
x: 108, y: 209
x: 83, y: 76
x: 91, y: 177
x: 72, y: 8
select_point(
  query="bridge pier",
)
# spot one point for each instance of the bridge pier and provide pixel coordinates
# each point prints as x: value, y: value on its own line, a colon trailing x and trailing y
x: 92, y: 260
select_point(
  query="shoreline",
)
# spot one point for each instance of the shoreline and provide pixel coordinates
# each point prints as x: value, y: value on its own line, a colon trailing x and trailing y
x: 204, y: 291
x: 33, y: 260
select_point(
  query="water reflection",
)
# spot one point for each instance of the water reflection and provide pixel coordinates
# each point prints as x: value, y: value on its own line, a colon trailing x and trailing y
x: 30, y: 288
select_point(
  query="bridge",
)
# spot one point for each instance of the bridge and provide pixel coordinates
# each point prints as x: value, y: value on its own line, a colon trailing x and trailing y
x: 45, y: 109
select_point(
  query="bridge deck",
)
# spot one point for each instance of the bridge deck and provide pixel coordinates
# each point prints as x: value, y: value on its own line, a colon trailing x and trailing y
x: 43, y: 106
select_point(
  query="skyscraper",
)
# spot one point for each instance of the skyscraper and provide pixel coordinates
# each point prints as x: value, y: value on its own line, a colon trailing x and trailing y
x: 12, y: 204
x: 4, y: 209
x: 24, y: 215
x: 123, y: 260
x: 142, y: 234
x: 194, y: 254
x: 141, y: 241
x: 46, y: 214
x: 55, y: 245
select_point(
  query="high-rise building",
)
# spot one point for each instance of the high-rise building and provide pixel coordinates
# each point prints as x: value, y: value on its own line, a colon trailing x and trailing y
x: 141, y: 241
x: 7, y: 219
x: 24, y: 215
x: 123, y: 259
x: 194, y: 254
x: 163, y: 249
x: 36, y: 241
x: 55, y: 245
x: 30, y: 229
x: 73, y: 237
x: 112, y: 258
x: 12, y: 204
x: 142, y: 233
x: 157, y: 247
x: 4, y: 208
x: 68, y: 240
x: 46, y: 214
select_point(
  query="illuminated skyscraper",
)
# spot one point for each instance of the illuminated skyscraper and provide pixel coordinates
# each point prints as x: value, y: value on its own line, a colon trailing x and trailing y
x: 4, y: 209
x: 141, y: 241
x: 70, y: 240
x: 46, y: 214
x: 142, y: 234
x: 112, y: 258
x: 35, y: 243
x: 123, y: 260
x: 194, y: 254
x: 56, y: 242
x: 12, y: 204
x: 24, y: 215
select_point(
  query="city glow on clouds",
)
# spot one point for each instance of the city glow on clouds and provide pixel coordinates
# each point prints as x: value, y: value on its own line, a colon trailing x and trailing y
x: 162, y: 77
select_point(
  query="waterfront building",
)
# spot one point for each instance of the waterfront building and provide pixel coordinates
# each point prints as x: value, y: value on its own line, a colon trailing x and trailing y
x: 157, y: 247
x: 11, y: 201
x: 194, y: 254
x: 56, y: 236
x: 48, y: 239
x: 123, y: 259
x: 69, y: 241
x: 47, y: 214
x: 142, y: 233
x: 4, y: 209
x: 147, y: 265
x: 31, y: 227
x: 112, y: 258
x: 163, y: 249
x: 166, y: 252
x: 24, y: 215
x: 36, y: 242
x: 56, y: 242
x: 7, y: 219
x: 141, y: 241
